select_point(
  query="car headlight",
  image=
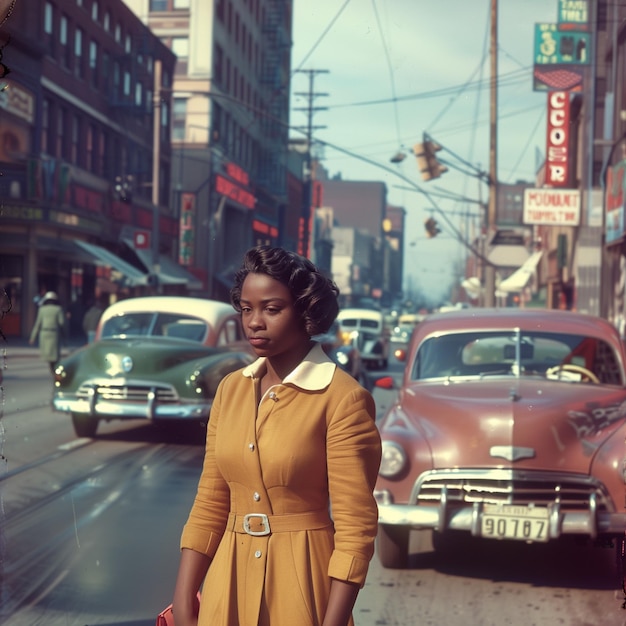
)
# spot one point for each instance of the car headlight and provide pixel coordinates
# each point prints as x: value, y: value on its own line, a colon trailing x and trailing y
x: 60, y: 374
x: 393, y: 459
x: 342, y: 358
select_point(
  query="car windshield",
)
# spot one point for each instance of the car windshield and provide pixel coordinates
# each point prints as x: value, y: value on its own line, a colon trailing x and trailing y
x: 557, y: 356
x: 153, y: 324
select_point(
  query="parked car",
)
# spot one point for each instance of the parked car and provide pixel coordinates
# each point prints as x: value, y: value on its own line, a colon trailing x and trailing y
x: 343, y: 349
x: 154, y: 358
x: 373, y: 336
x: 509, y: 425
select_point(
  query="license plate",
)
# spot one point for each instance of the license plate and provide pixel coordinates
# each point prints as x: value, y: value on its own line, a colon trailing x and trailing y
x: 507, y: 521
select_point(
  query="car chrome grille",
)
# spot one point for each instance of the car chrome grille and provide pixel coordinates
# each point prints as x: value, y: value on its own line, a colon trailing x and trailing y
x: 572, y: 492
x: 128, y: 393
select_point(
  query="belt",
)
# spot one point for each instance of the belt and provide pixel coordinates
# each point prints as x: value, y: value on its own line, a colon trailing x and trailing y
x: 260, y: 524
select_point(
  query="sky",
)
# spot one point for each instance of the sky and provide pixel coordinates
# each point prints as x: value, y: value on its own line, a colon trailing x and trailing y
x: 393, y: 70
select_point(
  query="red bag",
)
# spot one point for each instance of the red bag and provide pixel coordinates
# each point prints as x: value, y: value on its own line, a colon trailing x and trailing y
x: 166, y: 616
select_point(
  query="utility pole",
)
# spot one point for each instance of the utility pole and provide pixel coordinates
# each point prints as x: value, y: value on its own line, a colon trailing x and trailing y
x: 489, y: 269
x: 304, y: 230
x: 156, y: 165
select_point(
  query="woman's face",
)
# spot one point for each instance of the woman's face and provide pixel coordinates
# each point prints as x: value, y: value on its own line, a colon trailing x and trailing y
x: 270, y: 321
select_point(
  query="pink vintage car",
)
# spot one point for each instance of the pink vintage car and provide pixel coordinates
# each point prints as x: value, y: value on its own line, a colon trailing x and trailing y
x: 509, y: 424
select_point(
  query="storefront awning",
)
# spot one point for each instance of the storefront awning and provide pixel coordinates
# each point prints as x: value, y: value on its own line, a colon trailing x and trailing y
x: 133, y: 276
x: 518, y: 280
x: 170, y: 273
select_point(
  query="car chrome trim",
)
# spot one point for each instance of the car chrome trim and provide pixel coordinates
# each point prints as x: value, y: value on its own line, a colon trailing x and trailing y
x: 104, y: 409
x: 512, y: 453
x: 454, y: 499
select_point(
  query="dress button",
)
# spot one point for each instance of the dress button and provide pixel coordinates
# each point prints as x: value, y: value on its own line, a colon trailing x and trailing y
x: 272, y: 395
x: 251, y: 446
x: 256, y: 496
x: 257, y: 554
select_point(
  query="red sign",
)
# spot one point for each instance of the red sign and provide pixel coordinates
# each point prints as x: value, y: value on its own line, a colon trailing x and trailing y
x: 234, y: 192
x: 557, y: 148
x: 141, y: 239
x: 264, y: 229
x: 236, y: 173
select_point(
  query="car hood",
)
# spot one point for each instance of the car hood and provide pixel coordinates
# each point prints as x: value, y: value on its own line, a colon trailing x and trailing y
x: 521, y: 423
x: 147, y: 356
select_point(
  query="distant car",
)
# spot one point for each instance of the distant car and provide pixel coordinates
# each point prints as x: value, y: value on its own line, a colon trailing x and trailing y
x: 509, y: 425
x: 402, y: 331
x: 343, y: 349
x: 373, y: 335
x: 154, y: 358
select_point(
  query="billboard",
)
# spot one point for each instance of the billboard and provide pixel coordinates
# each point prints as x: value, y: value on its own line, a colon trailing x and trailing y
x: 552, y: 207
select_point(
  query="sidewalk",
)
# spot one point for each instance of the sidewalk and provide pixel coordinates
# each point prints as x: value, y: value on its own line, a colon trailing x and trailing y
x: 18, y: 347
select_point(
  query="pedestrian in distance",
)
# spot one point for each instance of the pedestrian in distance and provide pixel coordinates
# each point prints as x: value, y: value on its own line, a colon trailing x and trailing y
x: 282, y: 528
x: 91, y: 319
x: 49, y: 327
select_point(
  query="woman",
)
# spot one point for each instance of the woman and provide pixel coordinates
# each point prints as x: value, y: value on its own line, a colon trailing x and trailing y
x: 290, y: 437
x: 50, y: 327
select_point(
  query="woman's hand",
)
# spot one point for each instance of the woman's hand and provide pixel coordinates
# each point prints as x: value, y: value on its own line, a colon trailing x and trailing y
x: 191, y: 572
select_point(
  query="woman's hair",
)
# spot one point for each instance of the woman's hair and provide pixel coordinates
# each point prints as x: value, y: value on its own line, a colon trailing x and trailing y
x: 314, y: 295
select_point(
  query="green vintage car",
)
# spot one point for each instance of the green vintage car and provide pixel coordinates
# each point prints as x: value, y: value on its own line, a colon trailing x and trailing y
x: 157, y: 358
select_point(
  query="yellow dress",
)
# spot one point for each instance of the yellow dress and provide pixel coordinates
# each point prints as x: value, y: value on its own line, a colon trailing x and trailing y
x: 309, y: 446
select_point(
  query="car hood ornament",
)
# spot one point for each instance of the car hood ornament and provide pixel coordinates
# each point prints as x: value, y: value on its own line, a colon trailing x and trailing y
x: 118, y: 364
x: 512, y: 453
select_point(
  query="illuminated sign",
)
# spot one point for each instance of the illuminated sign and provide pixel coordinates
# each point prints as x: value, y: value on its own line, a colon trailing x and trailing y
x: 557, y: 149
x: 234, y: 192
x: 264, y: 229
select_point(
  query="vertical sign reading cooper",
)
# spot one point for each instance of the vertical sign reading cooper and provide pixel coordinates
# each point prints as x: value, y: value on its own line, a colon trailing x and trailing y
x: 557, y: 149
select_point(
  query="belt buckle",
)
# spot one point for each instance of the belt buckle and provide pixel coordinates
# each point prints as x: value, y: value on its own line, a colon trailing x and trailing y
x: 256, y: 533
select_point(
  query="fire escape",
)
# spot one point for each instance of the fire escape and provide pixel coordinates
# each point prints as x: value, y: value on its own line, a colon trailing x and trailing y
x: 275, y: 81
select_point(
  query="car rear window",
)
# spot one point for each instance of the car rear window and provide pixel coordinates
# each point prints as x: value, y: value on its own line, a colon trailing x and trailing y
x: 154, y: 324
x: 511, y: 353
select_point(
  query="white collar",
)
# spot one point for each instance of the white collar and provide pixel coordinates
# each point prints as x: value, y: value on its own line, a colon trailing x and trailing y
x: 313, y: 373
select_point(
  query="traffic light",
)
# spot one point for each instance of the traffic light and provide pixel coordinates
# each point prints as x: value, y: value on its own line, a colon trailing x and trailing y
x: 427, y: 162
x: 432, y: 229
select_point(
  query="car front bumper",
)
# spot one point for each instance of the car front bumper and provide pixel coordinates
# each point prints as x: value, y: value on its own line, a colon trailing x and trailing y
x: 591, y: 523
x: 150, y: 409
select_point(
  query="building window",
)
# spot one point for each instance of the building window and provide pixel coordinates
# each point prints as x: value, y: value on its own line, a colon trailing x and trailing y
x: 180, y: 47
x: 78, y: 52
x: 91, y: 152
x: 138, y: 94
x: 93, y: 62
x: 118, y: 33
x: 48, y: 18
x: 63, y: 40
x: 75, y: 140
x: 103, y: 152
x: 94, y: 11
x: 181, y: 4
x: 116, y: 80
x: 107, y: 21
x: 218, y: 62
x: 179, y: 115
x: 60, y: 134
x: 158, y: 5
x: 45, y: 126
x: 126, y: 86
x: 127, y: 44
